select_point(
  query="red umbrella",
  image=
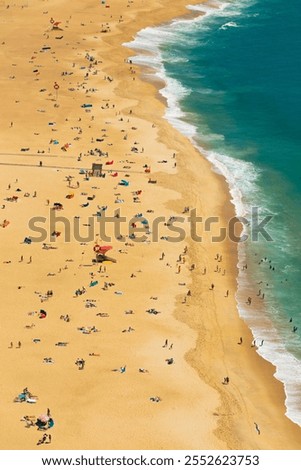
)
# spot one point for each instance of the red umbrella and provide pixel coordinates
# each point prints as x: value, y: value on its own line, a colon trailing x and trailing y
x: 104, y: 249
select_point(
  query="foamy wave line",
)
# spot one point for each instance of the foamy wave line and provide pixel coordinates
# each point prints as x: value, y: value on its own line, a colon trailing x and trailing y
x: 151, y: 38
x: 273, y: 350
x: 287, y: 366
x: 230, y: 24
x: 148, y: 41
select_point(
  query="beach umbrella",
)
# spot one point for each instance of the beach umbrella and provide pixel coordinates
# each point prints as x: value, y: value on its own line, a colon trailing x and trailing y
x: 103, y: 249
x: 42, y: 314
x: 43, y: 418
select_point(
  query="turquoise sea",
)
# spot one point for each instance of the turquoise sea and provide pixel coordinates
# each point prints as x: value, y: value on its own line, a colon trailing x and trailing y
x: 232, y: 78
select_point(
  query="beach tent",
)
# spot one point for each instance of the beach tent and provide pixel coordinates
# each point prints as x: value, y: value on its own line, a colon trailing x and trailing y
x: 96, y: 169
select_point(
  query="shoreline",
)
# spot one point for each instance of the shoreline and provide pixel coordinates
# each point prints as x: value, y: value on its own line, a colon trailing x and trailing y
x: 230, y: 414
x: 151, y: 71
x: 148, y: 72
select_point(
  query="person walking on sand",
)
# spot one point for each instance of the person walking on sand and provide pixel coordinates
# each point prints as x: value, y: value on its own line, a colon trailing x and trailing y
x: 179, y: 269
x: 257, y: 428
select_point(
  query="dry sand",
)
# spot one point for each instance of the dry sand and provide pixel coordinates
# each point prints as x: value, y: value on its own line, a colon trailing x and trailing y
x: 99, y: 407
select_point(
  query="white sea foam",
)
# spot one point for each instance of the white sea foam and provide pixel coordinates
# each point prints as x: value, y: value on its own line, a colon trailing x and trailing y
x: 273, y: 350
x: 230, y: 24
x: 177, y: 60
x: 209, y: 8
x: 241, y: 176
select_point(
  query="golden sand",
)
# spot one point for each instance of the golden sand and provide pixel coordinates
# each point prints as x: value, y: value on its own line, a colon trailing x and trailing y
x: 99, y: 407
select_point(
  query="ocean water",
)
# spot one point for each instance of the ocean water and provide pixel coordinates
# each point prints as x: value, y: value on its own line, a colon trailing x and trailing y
x: 232, y: 77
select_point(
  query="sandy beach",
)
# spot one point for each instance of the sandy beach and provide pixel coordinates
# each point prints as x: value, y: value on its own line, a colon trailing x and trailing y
x: 131, y: 353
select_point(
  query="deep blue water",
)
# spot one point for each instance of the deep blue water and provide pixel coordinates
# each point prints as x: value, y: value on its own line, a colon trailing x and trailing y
x: 233, y: 81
